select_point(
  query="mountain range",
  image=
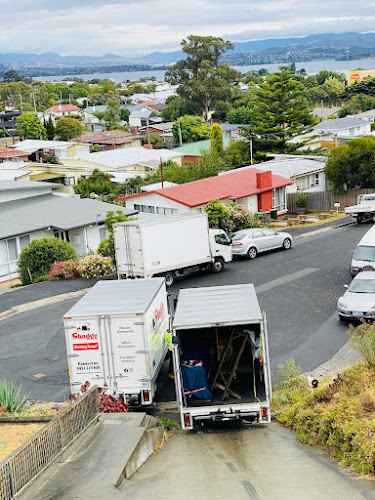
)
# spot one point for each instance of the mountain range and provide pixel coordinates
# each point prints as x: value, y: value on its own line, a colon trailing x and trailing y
x: 330, y: 45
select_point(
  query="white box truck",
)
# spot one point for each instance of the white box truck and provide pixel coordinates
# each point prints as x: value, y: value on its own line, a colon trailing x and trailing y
x: 169, y: 246
x: 115, y: 336
x: 365, y: 210
x: 220, y: 356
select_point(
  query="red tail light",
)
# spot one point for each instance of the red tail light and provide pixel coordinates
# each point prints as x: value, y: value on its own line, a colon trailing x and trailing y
x: 264, y: 414
x: 146, y: 396
x: 236, y: 244
x: 187, y: 419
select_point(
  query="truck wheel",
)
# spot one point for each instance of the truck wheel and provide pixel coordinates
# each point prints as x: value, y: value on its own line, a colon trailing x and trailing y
x: 217, y: 266
x: 169, y: 279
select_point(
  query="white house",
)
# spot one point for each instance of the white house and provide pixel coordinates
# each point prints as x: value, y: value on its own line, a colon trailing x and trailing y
x: 256, y: 190
x: 30, y: 210
x: 142, y: 118
x: 40, y: 149
x: 348, y: 126
x: 306, y: 172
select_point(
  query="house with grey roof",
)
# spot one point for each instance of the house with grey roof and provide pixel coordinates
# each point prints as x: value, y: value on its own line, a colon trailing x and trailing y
x: 350, y: 125
x: 306, y: 172
x: 142, y: 118
x: 30, y: 210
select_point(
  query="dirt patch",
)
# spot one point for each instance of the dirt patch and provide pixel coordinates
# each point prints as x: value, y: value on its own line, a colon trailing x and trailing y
x: 13, y: 435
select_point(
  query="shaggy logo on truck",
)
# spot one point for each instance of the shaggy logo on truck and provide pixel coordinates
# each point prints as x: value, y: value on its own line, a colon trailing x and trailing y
x: 157, y: 319
x: 90, y: 346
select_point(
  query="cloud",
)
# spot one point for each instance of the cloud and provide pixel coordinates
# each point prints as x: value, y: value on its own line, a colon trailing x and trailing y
x: 129, y: 27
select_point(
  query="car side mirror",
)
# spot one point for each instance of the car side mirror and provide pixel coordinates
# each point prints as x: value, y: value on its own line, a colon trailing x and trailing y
x: 346, y: 286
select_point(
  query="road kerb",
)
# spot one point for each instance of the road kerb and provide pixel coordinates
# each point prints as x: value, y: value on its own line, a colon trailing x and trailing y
x: 41, y: 303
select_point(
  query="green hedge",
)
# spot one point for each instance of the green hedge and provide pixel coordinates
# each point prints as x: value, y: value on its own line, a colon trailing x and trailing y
x: 37, y: 259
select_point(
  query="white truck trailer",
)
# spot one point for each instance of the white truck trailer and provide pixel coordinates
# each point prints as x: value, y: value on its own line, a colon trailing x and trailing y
x: 169, y: 246
x: 115, y: 336
x: 364, y: 210
x: 220, y: 355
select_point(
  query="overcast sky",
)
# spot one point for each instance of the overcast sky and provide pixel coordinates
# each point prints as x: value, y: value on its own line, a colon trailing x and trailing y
x: 129, y: 27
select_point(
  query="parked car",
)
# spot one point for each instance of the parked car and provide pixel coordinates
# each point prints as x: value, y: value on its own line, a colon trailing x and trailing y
x: 250, y: 242
x: 358, y: 302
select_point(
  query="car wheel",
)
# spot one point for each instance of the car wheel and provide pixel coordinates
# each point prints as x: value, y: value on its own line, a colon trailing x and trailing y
x: 169, y: 279
x: 252, y: 253
x: 287, y: 244
x: 344, y: 320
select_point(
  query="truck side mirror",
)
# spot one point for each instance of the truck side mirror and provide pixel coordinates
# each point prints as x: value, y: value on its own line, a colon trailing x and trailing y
x: 346, y: 286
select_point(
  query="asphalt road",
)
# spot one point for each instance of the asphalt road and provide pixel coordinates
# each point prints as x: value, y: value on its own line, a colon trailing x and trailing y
x: 254, y: 463
x: 298, y: 289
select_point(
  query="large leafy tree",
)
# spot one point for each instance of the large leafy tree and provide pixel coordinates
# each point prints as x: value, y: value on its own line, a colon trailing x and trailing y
x: 193, y: 128
x: 67, y: 128
x: 352, y: 166
x: 30, y: 127
x: 203, y: 83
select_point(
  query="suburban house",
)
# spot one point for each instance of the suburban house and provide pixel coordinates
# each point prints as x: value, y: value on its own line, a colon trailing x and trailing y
x: 31, y: 210
x: 10, y: 154
x: 137, y: 160
x: 39, y: 149
x: 13, y: 170
x: 328, y: 133
x: 92, y: 122
x: 192, y: 151
x: 306, y: 172
x: 8, y: 119
x: 142, y: 118
x: 256, y: 190
x: 63, y: 110
x: 232, y: 130
x: 111, y: 139
x: 163, y: 130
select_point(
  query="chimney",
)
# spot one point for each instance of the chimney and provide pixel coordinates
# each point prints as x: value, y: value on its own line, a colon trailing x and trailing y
x: 264, y: 179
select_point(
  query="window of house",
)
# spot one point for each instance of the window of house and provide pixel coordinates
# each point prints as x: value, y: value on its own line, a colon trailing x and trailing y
x: 278, y: 199
x: 168, y: 211
x: 71, y: 181
x: 160, y: 210
x: 174, y: 210
x: 102, y: 233
x: 12, y: 249
x: 316, y: 179
x: 137, y: 207
x: 24, y: 241
x: 151, y: 210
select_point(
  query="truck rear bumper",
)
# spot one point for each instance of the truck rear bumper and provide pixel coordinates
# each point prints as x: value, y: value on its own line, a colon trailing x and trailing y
x: 251, y: 412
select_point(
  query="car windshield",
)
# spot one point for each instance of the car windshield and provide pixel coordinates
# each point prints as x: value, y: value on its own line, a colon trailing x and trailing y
x: 239, y: 235
x: 364, y: 253
x: 362, y: 286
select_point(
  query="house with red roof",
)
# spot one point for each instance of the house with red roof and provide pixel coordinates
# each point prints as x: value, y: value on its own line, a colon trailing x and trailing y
x: 10, y: 154
x: 63, y: 110
x: 255, y: 189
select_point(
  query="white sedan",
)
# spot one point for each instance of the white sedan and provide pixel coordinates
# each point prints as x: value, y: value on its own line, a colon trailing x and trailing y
x: 358, y: 302
x: 250, y: 242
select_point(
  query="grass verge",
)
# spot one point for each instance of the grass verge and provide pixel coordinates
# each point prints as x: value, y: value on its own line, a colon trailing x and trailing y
x: 339, y: 415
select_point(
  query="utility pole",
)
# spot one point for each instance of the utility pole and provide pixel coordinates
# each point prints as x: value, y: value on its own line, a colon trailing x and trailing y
x: 179, y: 132
x: 321, y: 102
x: 33, y: 98
x: 21, y: 103
x: 161, y: 173
x: 251, y: 150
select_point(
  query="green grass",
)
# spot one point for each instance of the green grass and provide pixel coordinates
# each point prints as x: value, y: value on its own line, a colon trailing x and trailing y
x: 339, y: 415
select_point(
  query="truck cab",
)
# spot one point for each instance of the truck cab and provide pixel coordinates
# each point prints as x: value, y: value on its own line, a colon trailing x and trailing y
x: 220, y: 244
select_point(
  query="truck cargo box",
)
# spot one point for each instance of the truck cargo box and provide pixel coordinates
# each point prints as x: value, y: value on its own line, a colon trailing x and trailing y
x: 115, y: 336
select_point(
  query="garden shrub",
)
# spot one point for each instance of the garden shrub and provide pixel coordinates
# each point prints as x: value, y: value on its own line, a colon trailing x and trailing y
x: 39, y: 257
x: 96, y: 266
x: 64, y: 270
x: 362, y: 339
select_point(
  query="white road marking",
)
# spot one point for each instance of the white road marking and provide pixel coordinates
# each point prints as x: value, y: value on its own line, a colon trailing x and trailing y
x: 285, y: 279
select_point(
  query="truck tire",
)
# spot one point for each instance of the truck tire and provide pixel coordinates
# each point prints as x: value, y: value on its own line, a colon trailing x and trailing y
x: 217, y: 266
x: 169, y: 278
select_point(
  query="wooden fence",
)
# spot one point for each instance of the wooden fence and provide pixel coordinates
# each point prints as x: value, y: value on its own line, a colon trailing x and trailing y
x: 323, y: 201
x: 42, y: 448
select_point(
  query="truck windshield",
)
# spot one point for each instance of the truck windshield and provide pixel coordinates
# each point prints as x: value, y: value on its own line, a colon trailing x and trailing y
x: 362, y: 286
x: 364, y: 253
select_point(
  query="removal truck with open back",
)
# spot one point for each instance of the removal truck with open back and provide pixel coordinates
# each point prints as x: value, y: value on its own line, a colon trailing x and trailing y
x: 115, y: 337
x: 168, y: 246
x: 220, y: 355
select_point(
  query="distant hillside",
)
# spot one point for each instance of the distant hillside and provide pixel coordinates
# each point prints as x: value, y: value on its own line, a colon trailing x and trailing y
x: 326, y: 45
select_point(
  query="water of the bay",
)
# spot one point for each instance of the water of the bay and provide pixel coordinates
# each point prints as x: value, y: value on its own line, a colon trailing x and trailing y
x: 309, y: 66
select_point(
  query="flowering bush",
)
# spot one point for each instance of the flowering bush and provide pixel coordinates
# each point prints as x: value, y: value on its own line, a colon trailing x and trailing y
x: 95, y: 266
x: 242, y: 218
x: 64, y: 270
